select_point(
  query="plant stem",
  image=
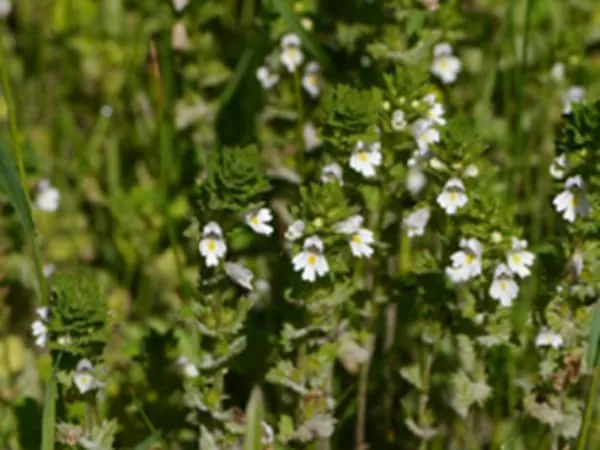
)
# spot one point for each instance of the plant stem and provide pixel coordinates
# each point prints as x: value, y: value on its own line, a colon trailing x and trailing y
x: 16, y: 144
x: 589, y: 409
x: 300, y: 105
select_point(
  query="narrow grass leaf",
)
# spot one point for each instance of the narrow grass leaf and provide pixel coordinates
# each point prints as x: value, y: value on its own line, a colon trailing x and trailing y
x: 254, y: 415
x: 148, y: 443
x: 49, y: 414
x: 594, y: 339
x: 11, y: 184
x: 238, y: 74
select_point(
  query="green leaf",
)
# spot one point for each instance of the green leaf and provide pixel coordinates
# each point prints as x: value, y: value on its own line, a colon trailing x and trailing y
x: 592, y: 350
x: 234, y: 81
x: 9, y: 178
x: 148, y: 443
x: 294, y: 23
x: 49, y: 414
x: 254, y: 414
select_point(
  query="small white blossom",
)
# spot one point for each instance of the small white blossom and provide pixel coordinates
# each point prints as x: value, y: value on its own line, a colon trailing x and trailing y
x: 445, y: 65
x: 453, y: 196
x: 558, y: 72
x: 106, y: 111
x: 332, y: 172
x: 437, y: 164
x: 435, y: 113
x: 576, y: 263
x: 519, y: 260
x: 48, y: 197
x: 312, y: 81
x: 291, y: 54
x: 574, y: 94
x: 266, y: 78
x: 416, y: 222
x: 268, y: 435
x: 424, y: 133
x: 42, y: 312
x: 558, y: 168
x: 415, y: 180
x: 311, y: 138
x: 295, y: 231
x: 179, y: 36
x: 572, y: 201
x: 365, y: 158
x: 471, y: 171
x: 49, y: 270
x: 259, y: 221
x: 212, y: 246
x: 83, y: 378
x: 504, y: 288
x: 361, y: 239
x: 5, y: 8
x: 548, y: 338
x: 311, y: 260
x: 40, y: 333
x: 188, y: 369
x: 179, y: 5
x: 239, y: 274
x: 466, y: 263
x: 398, y: 120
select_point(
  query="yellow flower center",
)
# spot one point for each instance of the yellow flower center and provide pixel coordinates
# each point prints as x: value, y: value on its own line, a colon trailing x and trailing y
x: 356, y: 238
x: 516, y: 258
x: 212, y: 246
x: 470, y: 259
x: 573, y: 200
x: 362, y: 157
x: 312, y: 260
x: 254, y: 220
x: 453, y: 196
x: 503, y: 285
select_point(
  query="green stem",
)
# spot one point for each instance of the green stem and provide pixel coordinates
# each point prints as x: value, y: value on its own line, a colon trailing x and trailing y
x: 300, y: 105
x: 16, y: 144
x: 589, y: 409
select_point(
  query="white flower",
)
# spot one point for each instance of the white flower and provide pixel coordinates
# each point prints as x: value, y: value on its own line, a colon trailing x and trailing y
x: 180, y: 4
x: 548, y: 338
x: 49, y: 270
x: 415, y: 180
x: 360, y: 243
x: 436, y: 164
x: 268, y: 435
x: 558, y: 72
x: 311, y: 138
x: 576, y: 263
x: 5, y: 8
x: 360, y: 238
x: 106, y: 111
x: 311, y: 261
x: 42, y: 312
x: 572, y: 201
x: 574, y: 94
x: 212, y: 246
x: 558, y: 167
x: 424, y: 133
x: 179, y: 36
x: 311, y: 81
x: 291, y: 55
x: 332, y: 172
x: 518, y: 259
x: 435, y: 114
x: 445, y: 65
x: 83, y: 378
x: 452, y: 196
x: 398, y: 120
x: 416, y: 222
x: 48, y: 197
x: 40, y: 333
x: 350, y: 225
x: 266, y: 78
x: 259, y: 221
x: 240, y: 274
x: 188, y: 369
x: 364, y: 160
x: 471, y: 171
x: 504, y: 288
x: 295, y: 231
x: 466, y: 263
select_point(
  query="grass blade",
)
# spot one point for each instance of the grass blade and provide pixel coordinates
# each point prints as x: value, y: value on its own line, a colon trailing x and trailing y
x: 236, y: 78
x: 49, y: 414
x: 594, y: 338
x: 9, y: 177
x: 254, y: 415
x: 294, y: 23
